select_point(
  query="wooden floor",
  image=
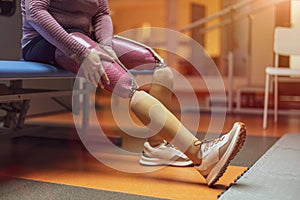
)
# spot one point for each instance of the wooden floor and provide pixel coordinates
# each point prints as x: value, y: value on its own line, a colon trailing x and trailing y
x: 67, y: 163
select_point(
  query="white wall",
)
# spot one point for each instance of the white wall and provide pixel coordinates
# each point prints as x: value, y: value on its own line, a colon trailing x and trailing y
x: 295, y: 21
x: 261, y: 44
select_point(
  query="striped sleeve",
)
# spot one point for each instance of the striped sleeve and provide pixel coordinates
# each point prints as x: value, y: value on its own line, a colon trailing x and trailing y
x: 39, y: 18
x: 102, y: 24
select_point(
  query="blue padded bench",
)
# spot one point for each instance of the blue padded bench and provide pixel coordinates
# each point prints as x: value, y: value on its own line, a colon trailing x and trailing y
x: 15, y: 99
x: 15, y: 70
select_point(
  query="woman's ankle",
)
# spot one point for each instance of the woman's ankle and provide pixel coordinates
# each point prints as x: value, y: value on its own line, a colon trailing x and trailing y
x: 194, y: 152
x: 155, y: 143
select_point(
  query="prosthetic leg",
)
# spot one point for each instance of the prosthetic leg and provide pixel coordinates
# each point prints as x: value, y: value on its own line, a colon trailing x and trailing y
x: 136, y: 55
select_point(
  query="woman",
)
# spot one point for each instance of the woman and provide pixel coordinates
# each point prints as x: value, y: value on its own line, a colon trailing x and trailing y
x: 49, y: 27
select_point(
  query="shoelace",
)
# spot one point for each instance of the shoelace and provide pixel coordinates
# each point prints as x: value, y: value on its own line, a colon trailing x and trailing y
x: 211, y: 143
x: 180, y: 156
x: 167, y: 144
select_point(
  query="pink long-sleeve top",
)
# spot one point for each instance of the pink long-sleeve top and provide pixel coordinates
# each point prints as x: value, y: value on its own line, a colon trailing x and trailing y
x: 50, y: 18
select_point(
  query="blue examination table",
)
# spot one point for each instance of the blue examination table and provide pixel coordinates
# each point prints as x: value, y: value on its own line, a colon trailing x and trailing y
x: 15, y: 98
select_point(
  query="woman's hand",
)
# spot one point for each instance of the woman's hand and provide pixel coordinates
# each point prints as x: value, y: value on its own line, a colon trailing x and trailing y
x: 110, y: 51
x: 93, y: 69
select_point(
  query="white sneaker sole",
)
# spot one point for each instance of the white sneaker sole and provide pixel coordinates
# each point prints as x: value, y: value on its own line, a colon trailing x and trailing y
x: 161, y: 162
x: 234, y: 147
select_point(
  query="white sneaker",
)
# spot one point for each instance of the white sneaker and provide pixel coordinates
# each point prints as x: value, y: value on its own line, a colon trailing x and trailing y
x: 164, y: 154
x: 217, y: 154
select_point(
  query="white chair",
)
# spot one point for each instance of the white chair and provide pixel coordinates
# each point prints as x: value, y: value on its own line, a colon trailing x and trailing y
x: 286, y: 42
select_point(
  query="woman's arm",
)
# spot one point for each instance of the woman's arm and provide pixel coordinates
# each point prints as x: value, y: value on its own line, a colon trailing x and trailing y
x: 103, y: 25
x: 38, y: 17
